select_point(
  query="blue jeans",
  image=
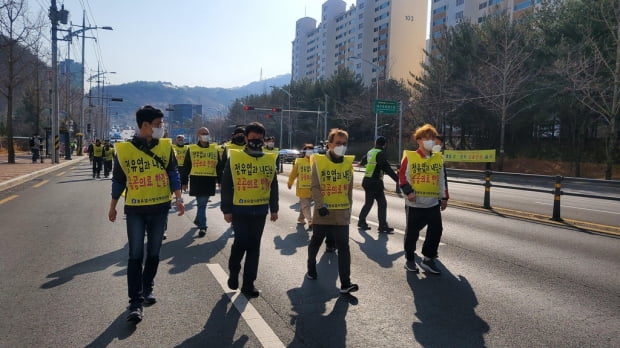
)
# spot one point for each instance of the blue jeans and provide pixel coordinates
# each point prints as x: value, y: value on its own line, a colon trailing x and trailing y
x: 201, y: 212
x: 140, y: 280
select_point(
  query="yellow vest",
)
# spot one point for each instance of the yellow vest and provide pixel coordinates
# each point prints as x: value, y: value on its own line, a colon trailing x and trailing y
x: 424, y: 173
x: 304, y: 176
x: 147, y: 181
x: 109, y: 154
x: 97, y: 150
x: 233, y: 146
x: 335, y: 179
x: 179, y: 153
x: 371, y: 157
x: 252, y: 177
x: 204, y: 160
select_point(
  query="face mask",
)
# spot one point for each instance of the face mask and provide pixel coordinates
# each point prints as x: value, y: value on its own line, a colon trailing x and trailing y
x: 158, y: 132
x: 255, y: 144
x: 269, y: 145
x: 308, y: 153
x: 205, y: 138
x: 437, y: 148
x: 340, y: 150
x: 239, y: 140
x: 428, y: 144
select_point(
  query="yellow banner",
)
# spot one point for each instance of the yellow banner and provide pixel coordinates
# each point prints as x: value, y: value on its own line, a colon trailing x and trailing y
x: 469, y: 156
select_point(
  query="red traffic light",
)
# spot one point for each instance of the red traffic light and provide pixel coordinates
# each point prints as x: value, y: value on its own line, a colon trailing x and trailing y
x: 246, y: 108
x: 267, y: 115
x: 276, y: 109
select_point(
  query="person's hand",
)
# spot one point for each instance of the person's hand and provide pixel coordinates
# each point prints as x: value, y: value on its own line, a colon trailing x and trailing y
x: 274, y: 216
x: 444, y: 204
x: 289, y: 186
x: 411, y: 197
x: 228, y: 218
x: 323, y: 211
x: 112, y: 214
x: 180, y: 207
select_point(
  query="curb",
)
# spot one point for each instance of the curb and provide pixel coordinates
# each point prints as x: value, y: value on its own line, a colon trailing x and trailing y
x: 27, y: 177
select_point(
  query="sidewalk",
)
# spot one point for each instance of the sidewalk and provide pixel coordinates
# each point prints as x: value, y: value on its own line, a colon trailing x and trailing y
x: 23, y: 169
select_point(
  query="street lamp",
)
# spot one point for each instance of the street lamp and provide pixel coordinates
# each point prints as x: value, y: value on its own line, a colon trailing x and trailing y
x: 289, y: 116
x: 377, y: 69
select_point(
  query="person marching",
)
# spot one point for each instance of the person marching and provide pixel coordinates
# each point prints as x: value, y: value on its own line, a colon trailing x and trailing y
x: 302, y: 173
x: 421, y: 178
x: 96, y: 153
x: 249, y: 191
x: 180, y: 150
x: 376, y: 166
x: 237, y: 142
x: 332, y: 192
x: 108, y: 157
x: 200, y: 170
x: 270, y: 148
x: 146, y: 169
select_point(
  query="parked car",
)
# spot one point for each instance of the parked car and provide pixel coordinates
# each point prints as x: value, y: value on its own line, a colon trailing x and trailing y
x: 288, y: 155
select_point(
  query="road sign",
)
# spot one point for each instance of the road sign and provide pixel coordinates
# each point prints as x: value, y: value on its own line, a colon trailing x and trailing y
x: 386, y: 106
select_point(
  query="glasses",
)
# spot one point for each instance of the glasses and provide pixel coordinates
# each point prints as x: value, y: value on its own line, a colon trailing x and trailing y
x: 340, y: 143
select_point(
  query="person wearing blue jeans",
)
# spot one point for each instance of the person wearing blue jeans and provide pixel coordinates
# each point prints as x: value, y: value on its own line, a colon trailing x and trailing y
x: 200, y: 171
x: 149, y: 163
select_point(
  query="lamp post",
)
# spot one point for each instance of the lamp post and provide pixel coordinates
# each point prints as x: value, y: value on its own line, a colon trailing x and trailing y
x: 377, y: 69
x: 289, y: 116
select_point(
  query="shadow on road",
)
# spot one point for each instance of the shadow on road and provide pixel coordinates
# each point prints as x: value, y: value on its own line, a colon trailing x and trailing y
x: 376, y: 249
x: 182, y: 254
x: 119, y: 329
x: 292, y: 241
x: 445, y: 308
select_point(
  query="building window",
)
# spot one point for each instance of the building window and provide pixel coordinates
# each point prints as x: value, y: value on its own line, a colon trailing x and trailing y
x: 459, y: 2
x: 482, y: 5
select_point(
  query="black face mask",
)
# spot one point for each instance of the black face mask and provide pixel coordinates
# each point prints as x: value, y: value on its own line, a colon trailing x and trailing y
x: 239, y: 140
x: 255, y: 144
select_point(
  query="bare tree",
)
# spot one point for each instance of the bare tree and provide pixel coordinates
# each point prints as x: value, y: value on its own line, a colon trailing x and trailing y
x: 18, y: 34
x: 503, y: 72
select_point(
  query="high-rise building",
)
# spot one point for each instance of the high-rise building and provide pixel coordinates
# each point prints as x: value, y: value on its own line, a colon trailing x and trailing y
x: 376, y: 39
x: 178, y: 117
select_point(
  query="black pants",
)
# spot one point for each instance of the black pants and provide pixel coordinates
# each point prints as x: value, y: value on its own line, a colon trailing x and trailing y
x: 417, y: 218
x: 374, y: 192
x: 248, y: 232
x: 341, y: 236
x: 97, y: 162
x: 107, y: 167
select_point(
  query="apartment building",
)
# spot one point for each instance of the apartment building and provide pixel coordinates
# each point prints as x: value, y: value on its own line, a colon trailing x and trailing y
x: 376, y: 39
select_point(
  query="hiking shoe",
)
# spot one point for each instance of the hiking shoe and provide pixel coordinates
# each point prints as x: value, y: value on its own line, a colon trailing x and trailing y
x: 311, y: 276
x: 330, y: 249
x: 429, y: 266
x: 411, y: 266
x: 386, y: 229
x: 363, y: 226
x: 135, y: 315
x: 349, y: 288
x: 233, y: 282
x: 202, y: 232
x: 250, y: 292
x: 150, y: 299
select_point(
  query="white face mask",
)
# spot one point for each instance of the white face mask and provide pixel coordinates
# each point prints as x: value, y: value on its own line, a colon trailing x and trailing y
x: 428, y: 144
x: 205, y: 138
x: 158, y: 132
x: 269, y: 145
x: 340, y: 150
x: 307, y: 153
x: 437, y: 148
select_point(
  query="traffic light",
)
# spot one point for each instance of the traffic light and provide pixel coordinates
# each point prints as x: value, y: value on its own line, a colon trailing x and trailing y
x: 276, y: 109
x: 267, y: 116
x: 116, y: 99
x: 246, y: 108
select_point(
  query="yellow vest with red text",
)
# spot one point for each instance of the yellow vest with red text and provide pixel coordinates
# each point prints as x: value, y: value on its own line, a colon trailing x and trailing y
x: 147, y: 181
x: 424, y: 173
x: 335, y: 179
x: 179, y: 153
x: 252, y: 177
x: 204, y: 160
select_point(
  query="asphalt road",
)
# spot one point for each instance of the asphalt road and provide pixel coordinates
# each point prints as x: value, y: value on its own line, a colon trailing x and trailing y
x: 505, y: 282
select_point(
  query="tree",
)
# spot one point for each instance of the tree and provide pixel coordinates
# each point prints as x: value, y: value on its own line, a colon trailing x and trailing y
x: 18, y: 33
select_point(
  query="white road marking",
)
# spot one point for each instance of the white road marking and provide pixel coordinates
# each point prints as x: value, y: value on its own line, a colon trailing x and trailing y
x: 261, y: 329
x: 570, y: 206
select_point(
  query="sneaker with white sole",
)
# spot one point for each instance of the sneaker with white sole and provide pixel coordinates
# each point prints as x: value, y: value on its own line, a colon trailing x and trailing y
x: 429, y: 266
x: 349, y: 288
x: 411, y: 266
x: 135, y: 315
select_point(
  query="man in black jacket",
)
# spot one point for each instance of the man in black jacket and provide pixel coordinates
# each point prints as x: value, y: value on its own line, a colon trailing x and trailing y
x: 376, y: 166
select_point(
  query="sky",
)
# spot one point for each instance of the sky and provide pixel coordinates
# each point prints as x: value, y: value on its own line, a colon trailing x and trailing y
x: 208, y: 43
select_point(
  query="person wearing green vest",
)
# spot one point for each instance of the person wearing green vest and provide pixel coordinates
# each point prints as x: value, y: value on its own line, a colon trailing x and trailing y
x: 332, y: 192
x: 249, y: 191
x: 376, y: 166
x: 95, y: 151
x: 200, y: 171
x: 146, y: 170
x: 421, y: 178
x: 108, y: 157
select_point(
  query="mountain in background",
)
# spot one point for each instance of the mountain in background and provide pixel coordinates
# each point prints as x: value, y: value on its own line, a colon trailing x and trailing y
x: 161, y: 94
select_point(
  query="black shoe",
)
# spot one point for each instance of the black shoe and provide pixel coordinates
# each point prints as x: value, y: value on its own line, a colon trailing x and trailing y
x: 330, y: 249
x: 363, y: 226
x: 135, y: 315
x: 196, y: 222
x: 233, y: 282
x: 250, y: 292
x: 202, y: 232
x: 150, y: 299
x: 165, y: 236
x: 386, y: 230
x: 429, y: 266
x: 411, y: 266
x: 349, y: 288
x: 311, y: 276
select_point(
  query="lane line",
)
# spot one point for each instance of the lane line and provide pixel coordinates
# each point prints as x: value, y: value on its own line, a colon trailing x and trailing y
x: 60, y: 174
x: 9, y: 198
x: 570, y: 206
x: 41, y: 183
x: 259, y: 326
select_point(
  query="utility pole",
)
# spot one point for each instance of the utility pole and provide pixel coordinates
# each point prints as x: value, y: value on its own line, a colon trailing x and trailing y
x: 54, y: 17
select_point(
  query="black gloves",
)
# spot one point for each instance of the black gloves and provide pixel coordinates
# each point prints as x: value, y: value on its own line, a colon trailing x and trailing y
x: 323, y: 211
